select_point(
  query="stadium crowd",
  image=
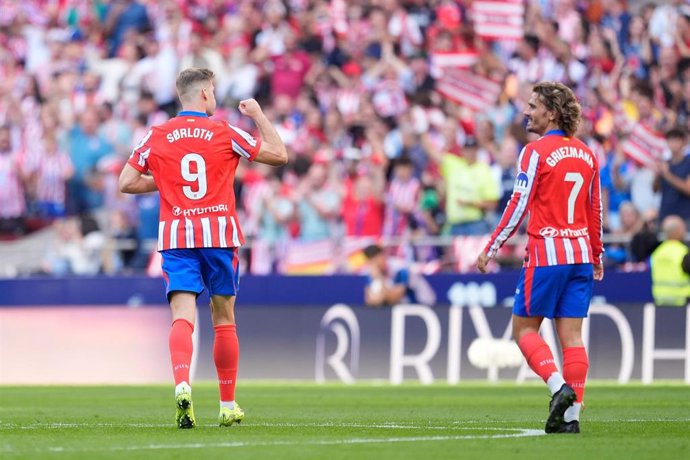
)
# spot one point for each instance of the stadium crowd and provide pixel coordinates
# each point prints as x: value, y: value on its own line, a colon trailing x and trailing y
x: 403, y: 118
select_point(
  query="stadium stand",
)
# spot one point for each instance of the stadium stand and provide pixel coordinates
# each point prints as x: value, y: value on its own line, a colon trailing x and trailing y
x: 359, y: 90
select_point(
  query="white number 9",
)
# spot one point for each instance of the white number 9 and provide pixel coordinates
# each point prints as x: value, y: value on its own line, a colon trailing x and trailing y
x: 199, y: 176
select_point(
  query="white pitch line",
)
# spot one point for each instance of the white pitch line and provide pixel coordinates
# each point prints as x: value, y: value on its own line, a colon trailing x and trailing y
x: 520, y: 433
x: 454, y: 425
x: 386, y: 426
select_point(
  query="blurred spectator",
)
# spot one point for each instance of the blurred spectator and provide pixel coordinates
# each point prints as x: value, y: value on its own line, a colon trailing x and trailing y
x: 289, y: 68
x: 391, y: 282
x: 673, y: 178
x: 201, y: 55
x: 147, y: 228
x: 275, y: 213
x: 402, y: 199
x: 362, y: 207
x: 77, y: 248
x: 86, y: 148
x: 318, y: 203
x: 120, y: 246
x: 505, y: 171
x: 470, y: 191
x: 49, y: 179
x: 646, y: 240
x: 670, y: 283
x: 12, y: 180
x: 115, y: 131
x: 630, y: 224
x: 121, y: 16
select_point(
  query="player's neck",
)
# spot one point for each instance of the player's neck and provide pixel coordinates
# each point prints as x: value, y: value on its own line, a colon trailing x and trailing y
x: 194, y: 108
x: 551, y: 127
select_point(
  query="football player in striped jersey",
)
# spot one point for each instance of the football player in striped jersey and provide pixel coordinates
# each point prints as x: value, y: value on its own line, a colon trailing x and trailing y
x: 191, y: 160
x: 558, y: 186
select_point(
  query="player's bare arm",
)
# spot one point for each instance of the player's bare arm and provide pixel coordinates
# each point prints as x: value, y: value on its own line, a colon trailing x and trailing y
x: 272, y: 151
x: 133, y: 181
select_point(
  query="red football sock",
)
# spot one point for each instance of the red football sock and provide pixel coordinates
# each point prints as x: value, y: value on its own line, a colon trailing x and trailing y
x: 575, y: 366
x: 181, y: 348
x: 226, y: 355
x: 538, y: 355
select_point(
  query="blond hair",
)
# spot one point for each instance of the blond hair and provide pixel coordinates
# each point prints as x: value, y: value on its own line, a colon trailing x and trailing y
x: 189, y: 78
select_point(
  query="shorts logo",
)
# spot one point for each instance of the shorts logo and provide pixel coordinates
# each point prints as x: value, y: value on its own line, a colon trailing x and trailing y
x: 522, y: 182
x: 548, y: 232
x: 176, y: 211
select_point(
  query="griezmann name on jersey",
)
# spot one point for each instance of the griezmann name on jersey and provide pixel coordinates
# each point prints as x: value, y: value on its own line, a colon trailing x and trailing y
x: 193, y: 160
x: 558, y: 186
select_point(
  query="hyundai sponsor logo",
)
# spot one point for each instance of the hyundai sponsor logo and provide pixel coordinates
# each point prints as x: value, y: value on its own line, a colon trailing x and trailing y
x: 548, y: 232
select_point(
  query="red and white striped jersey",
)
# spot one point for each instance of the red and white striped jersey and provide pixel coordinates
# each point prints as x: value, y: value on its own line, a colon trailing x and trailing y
x: 193, y: 161
x: 558, y: 185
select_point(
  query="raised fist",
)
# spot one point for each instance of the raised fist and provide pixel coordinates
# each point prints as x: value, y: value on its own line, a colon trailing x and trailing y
x: 250, y: 108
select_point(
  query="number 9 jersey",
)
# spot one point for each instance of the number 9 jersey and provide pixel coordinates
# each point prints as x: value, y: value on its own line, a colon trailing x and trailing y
x: 558, y: 186
x: 193, y: 160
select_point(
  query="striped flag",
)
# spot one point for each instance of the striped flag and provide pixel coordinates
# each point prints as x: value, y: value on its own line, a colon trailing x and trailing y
x: 352, y: 253
x: 466, y: 88
x: 644, y: 145
x: 442, y: 60
x: 499, y: 19
x: 309, y: 258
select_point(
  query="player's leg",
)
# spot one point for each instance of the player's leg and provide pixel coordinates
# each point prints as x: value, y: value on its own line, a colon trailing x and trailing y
x: 221, y: 275
x: 226, y: 355
x: 536, y: 297
x: 183, y: 284
x: 575, y: 367
x: 533, y: 302
x: 536, y: 351
x: 183, y: 305
x: 572, y: 309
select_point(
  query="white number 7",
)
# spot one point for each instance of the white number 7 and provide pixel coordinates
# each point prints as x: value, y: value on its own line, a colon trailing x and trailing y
x: 577, y: 179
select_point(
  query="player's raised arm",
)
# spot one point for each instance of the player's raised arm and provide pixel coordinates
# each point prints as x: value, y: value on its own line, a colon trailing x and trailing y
x: 272, y: 150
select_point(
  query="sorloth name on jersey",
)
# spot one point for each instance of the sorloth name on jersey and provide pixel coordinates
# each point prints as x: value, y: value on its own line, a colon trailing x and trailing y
x: 185, y: 133
x: 569, y: 152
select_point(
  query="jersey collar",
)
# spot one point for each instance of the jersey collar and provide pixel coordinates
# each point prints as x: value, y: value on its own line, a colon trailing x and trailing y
x: 555, y: 132
x: 191, y: 113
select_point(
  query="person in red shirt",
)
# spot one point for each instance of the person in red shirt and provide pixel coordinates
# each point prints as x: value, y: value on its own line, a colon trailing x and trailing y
x: 192, y: 161
x: 558, y: 185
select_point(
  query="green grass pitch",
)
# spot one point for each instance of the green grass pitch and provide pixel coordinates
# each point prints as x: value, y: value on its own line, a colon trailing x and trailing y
x: 364, y: 421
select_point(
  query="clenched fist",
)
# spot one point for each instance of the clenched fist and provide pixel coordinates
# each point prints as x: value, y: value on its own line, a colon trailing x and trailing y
x: 250, y: 108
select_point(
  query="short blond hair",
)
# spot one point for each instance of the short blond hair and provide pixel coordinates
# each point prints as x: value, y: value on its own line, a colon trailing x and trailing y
x: 189, y: 78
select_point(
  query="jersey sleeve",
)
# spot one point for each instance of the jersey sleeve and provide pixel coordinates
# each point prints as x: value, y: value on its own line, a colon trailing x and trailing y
x: 243, y: 143
x: 516, y: 209
x: 595, y: 218
x: 139, y: 159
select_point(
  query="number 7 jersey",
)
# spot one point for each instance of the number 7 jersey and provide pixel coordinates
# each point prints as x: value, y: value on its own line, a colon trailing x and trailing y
x: 193, y: 160
x: 558, y: 186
